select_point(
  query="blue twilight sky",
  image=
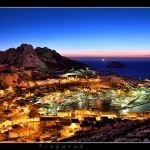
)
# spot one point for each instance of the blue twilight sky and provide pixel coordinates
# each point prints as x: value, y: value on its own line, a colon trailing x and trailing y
x: 79, y: 32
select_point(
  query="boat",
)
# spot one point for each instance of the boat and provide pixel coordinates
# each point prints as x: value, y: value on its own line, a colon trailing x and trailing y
x: 147, y: 80
x: 134, y: 99
x: 115, y: 108
x: 125, y: 107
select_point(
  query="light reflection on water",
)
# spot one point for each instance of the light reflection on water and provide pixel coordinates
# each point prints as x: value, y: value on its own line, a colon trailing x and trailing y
x: 105, y: 106
x: 141, y: 108
x: 101, y: 105
x: 77, y: 105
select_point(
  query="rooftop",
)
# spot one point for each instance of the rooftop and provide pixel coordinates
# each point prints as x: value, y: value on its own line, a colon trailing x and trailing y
x: 89, y: 119
x: 75, y: 121
x: 108, y: 113
x: 64, y: 111
x: 49, y: 118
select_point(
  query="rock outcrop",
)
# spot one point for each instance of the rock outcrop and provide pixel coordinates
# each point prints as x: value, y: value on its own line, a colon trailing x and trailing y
x: 5, y: 68
x: 22, y: 56
x: 116, y: 64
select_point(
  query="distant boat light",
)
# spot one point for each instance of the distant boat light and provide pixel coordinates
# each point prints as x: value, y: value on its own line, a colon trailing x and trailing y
x: 103, y: 59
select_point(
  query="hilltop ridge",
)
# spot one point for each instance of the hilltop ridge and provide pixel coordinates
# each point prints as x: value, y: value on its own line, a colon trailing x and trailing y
x: 43, y: 59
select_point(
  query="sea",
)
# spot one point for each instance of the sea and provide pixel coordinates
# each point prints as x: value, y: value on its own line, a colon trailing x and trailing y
x: 137, y: 70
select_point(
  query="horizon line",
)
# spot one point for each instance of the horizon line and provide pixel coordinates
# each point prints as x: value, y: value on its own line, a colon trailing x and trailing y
x: 107, y: 57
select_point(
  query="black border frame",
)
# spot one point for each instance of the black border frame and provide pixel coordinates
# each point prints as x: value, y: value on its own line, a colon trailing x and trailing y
x: 75, y: 3
x: 71, y: 3
x: 106, y: 145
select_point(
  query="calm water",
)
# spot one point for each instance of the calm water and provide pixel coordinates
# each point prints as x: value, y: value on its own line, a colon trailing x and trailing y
x: 138, y: 70
x: 106, y: 107
x: 101, y: 105
x: 141, y: 108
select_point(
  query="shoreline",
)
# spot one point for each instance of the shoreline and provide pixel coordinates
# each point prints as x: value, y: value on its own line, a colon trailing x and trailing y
x: 135, y: 106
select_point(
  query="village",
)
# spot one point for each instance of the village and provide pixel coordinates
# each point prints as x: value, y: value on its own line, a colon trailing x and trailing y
x: 28, y: 125
x: 43, y: 112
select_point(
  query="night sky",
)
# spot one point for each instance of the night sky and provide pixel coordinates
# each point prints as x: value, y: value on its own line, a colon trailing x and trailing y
x: 78, y: 32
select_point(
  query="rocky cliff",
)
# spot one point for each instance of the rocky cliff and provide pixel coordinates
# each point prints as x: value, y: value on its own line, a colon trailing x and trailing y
x: 43, y: 59
x: 22, y: 56
x: 116, y: 64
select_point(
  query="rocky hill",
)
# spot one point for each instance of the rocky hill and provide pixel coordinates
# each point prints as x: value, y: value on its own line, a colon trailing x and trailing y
x: 43, y: 59
x: 120, y: 82
x: 22, y: 56
x: 116, y: 64
x: 54, y: 61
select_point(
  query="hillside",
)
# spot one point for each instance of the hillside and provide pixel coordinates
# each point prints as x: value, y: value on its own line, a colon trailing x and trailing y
x: 43, y: 59
x: 24, y: 65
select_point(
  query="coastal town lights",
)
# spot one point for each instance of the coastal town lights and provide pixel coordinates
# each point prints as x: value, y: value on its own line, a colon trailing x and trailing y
x: 10, y: 89
x: 1, y: 92
x: 73, y: 125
